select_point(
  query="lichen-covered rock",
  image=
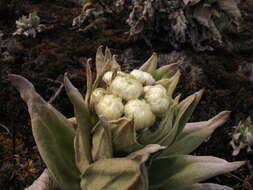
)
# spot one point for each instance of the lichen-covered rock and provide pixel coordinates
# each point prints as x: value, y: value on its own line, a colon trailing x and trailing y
x: 175, y: 23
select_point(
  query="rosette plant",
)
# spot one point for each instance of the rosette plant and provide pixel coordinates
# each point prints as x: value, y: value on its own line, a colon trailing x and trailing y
x: 128, y: 133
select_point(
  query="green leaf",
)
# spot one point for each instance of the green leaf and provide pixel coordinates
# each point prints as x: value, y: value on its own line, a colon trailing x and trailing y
x: 186, y: 108
x: 128, y: 173
x: 116, y: 173
x: 171, y: 83
x: 89, y: 83
x: 194, y: 134
x: 115, y: 64
x: 108, y: 55
x: 101, y: 141
x: 99, y: 60
x: 143, y: 154
x: 166, y: 71
x: 83, y: 136
x: 181, y: 171
x: 150, y: 65
x: 124, y: 135
x: 163, y: 130
x: 53, y: 134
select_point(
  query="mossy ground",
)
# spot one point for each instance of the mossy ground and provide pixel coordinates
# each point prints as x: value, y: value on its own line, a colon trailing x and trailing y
x: 61, y: 49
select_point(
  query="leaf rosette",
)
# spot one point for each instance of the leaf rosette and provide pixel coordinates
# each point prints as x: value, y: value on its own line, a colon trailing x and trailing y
x: 130, y: 131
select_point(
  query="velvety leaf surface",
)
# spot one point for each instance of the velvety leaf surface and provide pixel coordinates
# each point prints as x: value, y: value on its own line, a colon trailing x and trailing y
x: 53, y: 134
x: 194, y: 134
x: 101, y: 142
x: 150, y: 65
x: 165, y: 71
x: 124, y: 135
x: 109, y: 174
x: 83, y: 136
x: 182, y: 171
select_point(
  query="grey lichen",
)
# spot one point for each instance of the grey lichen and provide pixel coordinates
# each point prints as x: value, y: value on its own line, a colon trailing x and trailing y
x: 171, y: 22
x: 29, y: 26
x: 242, y: 137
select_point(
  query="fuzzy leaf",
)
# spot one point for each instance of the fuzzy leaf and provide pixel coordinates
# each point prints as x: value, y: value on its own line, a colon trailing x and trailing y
x: 150, y: 65
x: 83, y: 136
x: 89, y: 83
x: 166, y: 71
x: 101, y: 141
x: 124, y: 135
x: 108, y: 55
x: 116, y: 173
x: 99, y: 60
x: 143, y: 154
x: 127, y: 173
x: 181, y: 171
x: 173, y: 83
x: 115, y: 64
x: 53, y: 134
x: 194, y: 134
x: 163, y: 131
x: 185, y: 109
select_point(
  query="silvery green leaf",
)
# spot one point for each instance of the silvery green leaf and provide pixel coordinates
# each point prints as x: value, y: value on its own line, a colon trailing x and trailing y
x: 83, y: 135
x: 108, y: 55
x: 53, y: 134
x: 150, y: 65
x: 163, y: 131
x: 124, y: 135
x: 166, y: 71
x: 194, y: 134
x: 89, y: 84
x: 99, y: 60
x: 101, y: 141
x: 181, y: 171
x: 143, y: 154
x: 115, y: 64
x: 184, y: 111
x: 173, y: 83
x: 186, y: 108
x: 115, y: 173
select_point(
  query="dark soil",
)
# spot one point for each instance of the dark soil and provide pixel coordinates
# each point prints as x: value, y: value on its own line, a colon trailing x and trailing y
x: 226, y: 76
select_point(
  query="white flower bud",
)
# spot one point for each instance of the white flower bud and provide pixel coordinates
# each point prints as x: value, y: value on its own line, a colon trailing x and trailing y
x: 110, y: 106
x: 144, y: 77
x: 108, y: 76
x: 126, y: 87
x: 96, y: 95
x: 157, y: 98
x: 141, y: 112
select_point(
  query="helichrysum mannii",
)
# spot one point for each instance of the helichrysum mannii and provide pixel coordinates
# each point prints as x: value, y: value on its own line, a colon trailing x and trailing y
x: 131, y: 133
